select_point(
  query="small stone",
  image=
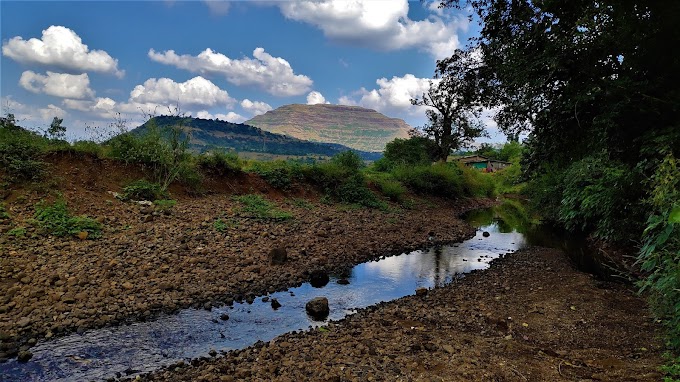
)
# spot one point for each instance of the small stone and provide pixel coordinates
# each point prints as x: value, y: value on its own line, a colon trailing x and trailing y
x: 224, y: 316
x: 343, y: 281
x: 212, y: 353
x: 421, y: 291
x: 278, y: 256
x: 275, y: 304
x: 24, y: 356
x: 82, y: 235
x: 127, y: 285
x: 486, y: 234
x: 318, y: 308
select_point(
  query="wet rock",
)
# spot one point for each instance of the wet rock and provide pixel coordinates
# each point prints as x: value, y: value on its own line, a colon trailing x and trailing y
x: 24, y: 356
x: 278, y: 256
x: 318, y: 308
x: 343, y: 281
x: 421, y: 291
x: 318, y: 278
x: 486, y: 234
x: 224, y: 316
x: 275, y: 304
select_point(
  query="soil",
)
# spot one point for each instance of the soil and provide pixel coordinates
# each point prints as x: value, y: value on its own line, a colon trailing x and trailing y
x: 531, y: 317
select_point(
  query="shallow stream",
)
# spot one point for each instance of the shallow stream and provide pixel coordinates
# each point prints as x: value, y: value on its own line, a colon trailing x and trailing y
x: 147, y: 346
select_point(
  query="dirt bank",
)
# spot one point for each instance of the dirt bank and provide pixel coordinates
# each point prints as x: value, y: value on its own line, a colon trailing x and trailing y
x: 149, y: 262
x: 531, y: 317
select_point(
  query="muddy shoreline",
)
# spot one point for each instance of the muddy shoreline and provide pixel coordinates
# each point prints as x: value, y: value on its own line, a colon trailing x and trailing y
x: 530, y: 317
x: 140, y: 269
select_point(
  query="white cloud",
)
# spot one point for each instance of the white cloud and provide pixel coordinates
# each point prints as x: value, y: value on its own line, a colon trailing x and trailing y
x: 194, y: 92
x: 31, y: 116
x: 392, y: 97
x: 62, y: 48
x: 218, y: 7
x: 229, y: 117
x: 51, y: 111
x: 256, y: 107
x: 57, y: 84
x: 382, y: 25
x: 315, y: 97
x: 272, y: 74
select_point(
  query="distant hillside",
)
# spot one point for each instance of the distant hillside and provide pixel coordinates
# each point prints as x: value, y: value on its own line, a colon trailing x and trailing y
x: 356, y: 127
x: 208, y: 134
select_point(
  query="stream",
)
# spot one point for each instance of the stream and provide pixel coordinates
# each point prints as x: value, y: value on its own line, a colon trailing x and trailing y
x: 146, y: 346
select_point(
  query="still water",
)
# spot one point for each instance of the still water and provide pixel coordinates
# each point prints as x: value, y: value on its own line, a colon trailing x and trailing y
x: 146, y: 346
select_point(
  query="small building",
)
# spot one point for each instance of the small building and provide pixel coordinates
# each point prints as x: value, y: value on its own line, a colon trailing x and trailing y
x: 483, y: 163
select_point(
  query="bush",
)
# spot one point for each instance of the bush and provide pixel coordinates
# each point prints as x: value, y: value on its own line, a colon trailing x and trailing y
x: 3, y: 213
x: 279, y: 174
x: 56, y: 220
x: 89, y: 147
x: 164, y: 204
x: 257, y: 207
x: 389, y: 187
x: 143, y: 190
x: 414, y: 151
x: 220, y: 162
x: 477, y: 183
x: 439, y: 179
x: 20, y: 152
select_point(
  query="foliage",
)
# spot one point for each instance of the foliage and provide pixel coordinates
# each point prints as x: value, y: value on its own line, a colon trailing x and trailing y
x: 279, y: 174
x: 220, y: 162
x: 342, y: 180
x: 455, y: 109
x: 390, y: 187
x: 672, y: 369
x: 509, y: 179
x: 164, y: 204
x: 89, y: 147
x: 143, y: 190
x: 598, y: 197
x: 477, y: 183
x: 3, y: 212
x: 413, y: 151
x: 440, y: 179
x: 17, y: 232
x: 302, y: 203
x: 56, y: 220
x: 219, y: 225
x: 20, y: 153
x: 56, y: 129
x: 660, y: 253
x: 257, y: 207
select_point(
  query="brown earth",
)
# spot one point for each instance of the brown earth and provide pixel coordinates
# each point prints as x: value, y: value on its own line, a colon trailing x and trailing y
x: 531, y: 317
x: 149, y: 262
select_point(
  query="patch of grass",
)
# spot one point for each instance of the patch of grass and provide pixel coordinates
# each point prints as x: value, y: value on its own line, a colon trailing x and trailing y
x: 56, y: 220
x: 17, y: 232
x: 88, y: 147
x: 671, y: 368
x: 143, y: 190
x: 440, y: 179
x: 302, y: 203
x: 164, y: 204
x: 220, y: 225
x: 257, y: 207
x: 279, y: 174
x: 4, y: 215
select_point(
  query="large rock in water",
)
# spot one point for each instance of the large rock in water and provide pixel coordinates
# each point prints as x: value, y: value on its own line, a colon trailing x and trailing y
x: 318, y: 308
x: 319, y: 278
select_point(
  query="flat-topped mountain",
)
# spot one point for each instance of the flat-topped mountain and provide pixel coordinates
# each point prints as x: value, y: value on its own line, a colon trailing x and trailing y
x: 352, y: 126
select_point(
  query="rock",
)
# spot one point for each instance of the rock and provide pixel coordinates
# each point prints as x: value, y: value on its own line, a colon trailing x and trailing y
x: 147, y: 218
x: 421, y: 291
x: 486, y: 234
x: 224, y: 316
x: 343, y: 281
x: 24, y: 356
x: 275, y: 304
x: 318, y: 308
x: 265, y: 299
x: 82, y: 235
x: 319, y: 278
x: 127, y: 285
x: 212, y: 353
x: 278, y: 256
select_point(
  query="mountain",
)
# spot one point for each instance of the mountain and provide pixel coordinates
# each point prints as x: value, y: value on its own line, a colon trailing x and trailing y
x: 353, y: 126
x: 205, y: 134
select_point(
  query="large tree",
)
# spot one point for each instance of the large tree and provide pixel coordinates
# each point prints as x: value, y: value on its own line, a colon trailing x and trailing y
x: 453, y: 101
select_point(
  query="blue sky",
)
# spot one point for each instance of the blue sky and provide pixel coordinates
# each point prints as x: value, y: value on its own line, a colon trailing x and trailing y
x: 85, y: 61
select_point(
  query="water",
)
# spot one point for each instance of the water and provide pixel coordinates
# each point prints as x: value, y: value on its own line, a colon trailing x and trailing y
x: 146, y: 346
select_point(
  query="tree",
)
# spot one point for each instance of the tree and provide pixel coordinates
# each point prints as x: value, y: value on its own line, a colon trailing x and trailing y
x: 56, y: 130
x: 413, y: 151
x: 453, y: 101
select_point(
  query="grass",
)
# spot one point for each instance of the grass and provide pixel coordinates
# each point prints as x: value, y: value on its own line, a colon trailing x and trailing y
x: 56, y: 220
x: 257, y: 207
x: 164, y: 204
x: 143, y: 190
x: 4, y: 215
x: 17, y: 232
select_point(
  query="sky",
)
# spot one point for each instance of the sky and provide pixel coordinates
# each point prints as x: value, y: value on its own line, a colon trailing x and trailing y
x: 89, y: 62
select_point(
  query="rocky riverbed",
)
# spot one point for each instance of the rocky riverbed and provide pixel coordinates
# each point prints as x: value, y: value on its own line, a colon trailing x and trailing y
x: 149, y: 261
x: 531, y: 317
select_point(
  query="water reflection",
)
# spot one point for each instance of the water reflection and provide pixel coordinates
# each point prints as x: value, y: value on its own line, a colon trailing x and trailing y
x: 147, y: 346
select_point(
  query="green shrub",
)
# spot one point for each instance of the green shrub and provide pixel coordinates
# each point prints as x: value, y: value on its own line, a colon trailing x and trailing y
x: 219, y: 225
x: 56, y: 220
x: 348, y: 159
x: 143, y: 190
x: 257, y: 207
x: 279, y: 174
x: 302, y: 203
x: 477, y: 183
x: 660, y: 253
x: 509, y: 180
x: 599, y: 197
x: 440, y: 179
x: 88, y: 147
x: 17, y: 232
x: 164, y: 204
x: 545, y: 192
x: 220, y: 162
x: 3, y: 213
x: 389, y: 187
x: 415, y: 151
x: 20, y: 154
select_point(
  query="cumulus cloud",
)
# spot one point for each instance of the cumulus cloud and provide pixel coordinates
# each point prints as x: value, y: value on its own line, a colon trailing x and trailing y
x: 57, y: 84
x: 62, y: 48
x: 315, y: 97
x: 393, y: 96
x: 218, y: 7
x: 271, y: 74
x: 382, y: 25
x: 229, y: 117
x: 255, y: 107
x: 195, y: 92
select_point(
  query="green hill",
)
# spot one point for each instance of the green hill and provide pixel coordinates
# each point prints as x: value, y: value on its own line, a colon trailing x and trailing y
x: 352, y: 126
x: 207, y: 134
